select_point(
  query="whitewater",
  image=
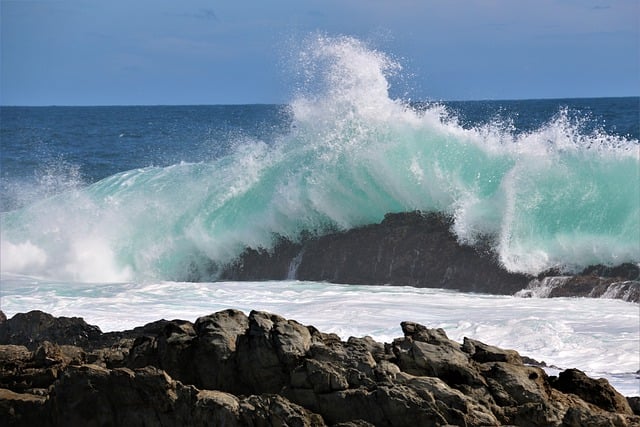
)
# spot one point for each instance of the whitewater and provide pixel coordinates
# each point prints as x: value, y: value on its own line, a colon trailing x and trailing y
x: 119, y: 250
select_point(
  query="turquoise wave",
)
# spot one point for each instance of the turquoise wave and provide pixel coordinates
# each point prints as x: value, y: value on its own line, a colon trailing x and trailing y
x: 553, y: 197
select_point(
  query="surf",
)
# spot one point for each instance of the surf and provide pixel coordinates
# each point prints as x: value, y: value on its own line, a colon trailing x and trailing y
x: 558, y: 196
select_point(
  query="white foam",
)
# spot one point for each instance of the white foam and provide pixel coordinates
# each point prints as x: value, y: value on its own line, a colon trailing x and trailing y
x: 21, y: 257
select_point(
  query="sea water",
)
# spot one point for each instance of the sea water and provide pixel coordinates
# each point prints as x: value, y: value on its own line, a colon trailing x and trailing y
x: 101, y: 205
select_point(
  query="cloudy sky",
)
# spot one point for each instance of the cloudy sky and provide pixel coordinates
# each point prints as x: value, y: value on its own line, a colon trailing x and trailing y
x: 90, y: 52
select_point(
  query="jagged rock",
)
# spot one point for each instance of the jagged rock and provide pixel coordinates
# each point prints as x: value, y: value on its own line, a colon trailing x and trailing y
x: 429, y: 352
x: 596, y: 391
x: 29, y: 329
x: 483, y: 353
x: 582, y: 286
x: 270, y: 348
x: 262, y: 369
x: 214, y: 350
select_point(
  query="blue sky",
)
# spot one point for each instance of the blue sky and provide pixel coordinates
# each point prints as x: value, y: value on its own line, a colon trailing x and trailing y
x: 86, y: 52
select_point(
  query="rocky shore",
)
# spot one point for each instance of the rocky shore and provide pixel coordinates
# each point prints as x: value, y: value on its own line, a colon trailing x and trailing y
x: 231, y: 369
x: 418, y: 249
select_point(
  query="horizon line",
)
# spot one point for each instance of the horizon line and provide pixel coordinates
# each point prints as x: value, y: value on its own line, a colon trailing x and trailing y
x: 287, y: 103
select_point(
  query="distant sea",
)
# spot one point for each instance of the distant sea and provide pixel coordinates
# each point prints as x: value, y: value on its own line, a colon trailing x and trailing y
x: 107, y: 210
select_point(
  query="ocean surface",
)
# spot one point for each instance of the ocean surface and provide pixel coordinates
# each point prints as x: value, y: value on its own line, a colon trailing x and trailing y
x: 107, y: 211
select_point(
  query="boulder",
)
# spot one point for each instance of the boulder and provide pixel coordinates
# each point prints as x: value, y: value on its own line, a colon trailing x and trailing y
x: 30, y: 329
x: 596, y: 391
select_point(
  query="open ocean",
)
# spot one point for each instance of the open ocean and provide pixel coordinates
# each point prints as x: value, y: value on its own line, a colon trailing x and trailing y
x: 107, y: 211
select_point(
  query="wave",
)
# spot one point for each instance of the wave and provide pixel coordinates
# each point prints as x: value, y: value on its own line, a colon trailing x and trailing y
x: 557, y: 196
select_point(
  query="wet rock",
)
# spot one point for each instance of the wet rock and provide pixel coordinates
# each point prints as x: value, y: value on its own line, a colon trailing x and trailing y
x: 419, y: 249
x: 414, y: 248
x: 625, y: 271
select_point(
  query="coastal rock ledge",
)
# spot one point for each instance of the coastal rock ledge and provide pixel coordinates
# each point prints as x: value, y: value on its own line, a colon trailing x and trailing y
x: 419, y: 249
x: 231, y: 369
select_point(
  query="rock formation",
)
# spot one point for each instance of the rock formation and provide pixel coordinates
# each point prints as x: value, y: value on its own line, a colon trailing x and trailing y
x: 231, y: 369
x: 416, y: 249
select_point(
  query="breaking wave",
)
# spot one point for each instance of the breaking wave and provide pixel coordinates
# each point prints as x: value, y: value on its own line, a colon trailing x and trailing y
x: 557, y: 196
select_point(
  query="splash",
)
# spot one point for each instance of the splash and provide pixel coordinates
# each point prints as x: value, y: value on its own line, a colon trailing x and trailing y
x: 553, y: 197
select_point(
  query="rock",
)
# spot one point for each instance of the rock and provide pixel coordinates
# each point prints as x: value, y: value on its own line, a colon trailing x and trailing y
x: 582, y: 286
x: 625, y: 271
x: 231, y: 369
x: 29, y: 329
x: 21, y: 409
x: 483, y: 353
x: 269, y: 349
x: 599, y: 392
x: 414, y: 249
x: 429, y: 352
x: 419, y: 249
x: 92, y: 395
x: 214, y: 350
x: 634, y: 404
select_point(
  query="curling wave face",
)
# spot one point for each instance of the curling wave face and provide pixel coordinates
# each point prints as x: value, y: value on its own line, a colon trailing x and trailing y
x: 557, y: 196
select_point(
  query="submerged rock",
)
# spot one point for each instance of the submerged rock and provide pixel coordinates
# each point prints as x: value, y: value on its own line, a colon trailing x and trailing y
x: 262, y: 369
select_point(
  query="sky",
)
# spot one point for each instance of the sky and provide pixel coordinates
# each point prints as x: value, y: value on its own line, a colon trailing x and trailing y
x: 170, y: 52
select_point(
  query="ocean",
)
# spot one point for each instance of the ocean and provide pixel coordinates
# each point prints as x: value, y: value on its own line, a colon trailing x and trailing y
x: 108, y: 211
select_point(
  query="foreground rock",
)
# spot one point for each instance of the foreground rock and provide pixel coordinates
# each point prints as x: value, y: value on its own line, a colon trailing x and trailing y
x: 416, y: 249
x: 263, y: 370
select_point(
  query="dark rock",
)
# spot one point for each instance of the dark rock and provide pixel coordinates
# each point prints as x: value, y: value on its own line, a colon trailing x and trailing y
x: 264, y: 370
x: 596, y: 287
x: 419, y: 249
x: 21, y: 409
x: 413, y: 249
x: 583, y: 286
x: 271, y: 347
x: 634, y: 404
x: 214, y: 350
x: 29, y: 329
x: 596, y: 391
x: 622, y: 272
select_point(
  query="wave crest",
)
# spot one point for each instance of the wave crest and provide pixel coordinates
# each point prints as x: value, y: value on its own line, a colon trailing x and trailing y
x: 553, y: 197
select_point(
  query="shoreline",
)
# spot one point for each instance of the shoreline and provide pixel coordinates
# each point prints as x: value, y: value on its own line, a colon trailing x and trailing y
x: 234, y: 367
